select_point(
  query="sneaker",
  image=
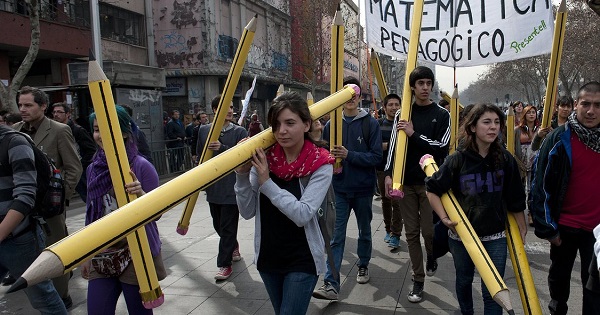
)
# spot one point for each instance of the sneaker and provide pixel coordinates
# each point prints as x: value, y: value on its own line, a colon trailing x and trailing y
x: 431, y: 266
x: 326, y: 292
x: 394, y: 242
x: 363, y: 275
x: 387, y: 237
x: 224, y: 273
x: 416, y: 295
x: 236, y: 254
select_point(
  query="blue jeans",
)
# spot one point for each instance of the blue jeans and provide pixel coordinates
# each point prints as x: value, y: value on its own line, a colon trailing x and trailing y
x: 465, y: 270
x: 363, y: 210
x: 290, y: 293
x: 16, y: 254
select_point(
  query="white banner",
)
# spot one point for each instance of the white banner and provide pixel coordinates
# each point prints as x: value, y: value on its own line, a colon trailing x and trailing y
x: 462, y: 33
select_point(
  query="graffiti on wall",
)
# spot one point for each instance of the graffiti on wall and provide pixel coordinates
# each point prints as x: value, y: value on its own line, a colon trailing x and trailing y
x: 183, y: 14
x: 258, y: 57
x: 175, y: 49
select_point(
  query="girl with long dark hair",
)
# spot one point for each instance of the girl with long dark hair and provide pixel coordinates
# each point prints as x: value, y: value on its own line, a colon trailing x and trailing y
x: 485, y: 179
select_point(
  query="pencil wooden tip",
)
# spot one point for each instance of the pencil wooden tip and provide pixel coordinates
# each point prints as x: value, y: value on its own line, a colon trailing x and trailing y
x: 251, y: 27
x: 337, y: 18
x: 563, y: 6
x: 95, y: 72
x: 511, y: 111
x: 47, y: 266
x: 455, y: 92
x: 503, y: 299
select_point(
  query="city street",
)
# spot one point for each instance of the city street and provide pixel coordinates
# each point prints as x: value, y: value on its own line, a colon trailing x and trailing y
x: 191, y: 264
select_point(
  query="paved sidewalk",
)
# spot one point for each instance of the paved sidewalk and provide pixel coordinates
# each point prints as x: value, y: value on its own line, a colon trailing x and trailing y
x: 191, y: 264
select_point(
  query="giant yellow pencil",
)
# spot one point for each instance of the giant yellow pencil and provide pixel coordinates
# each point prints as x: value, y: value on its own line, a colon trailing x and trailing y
x: 557, y: 47
x: 376, y: 66
x: 337, y: 79
x: 516, y: 249
x: 520, y: 263
x: 454, y: 121
x: 233, y: 79
x: 118, y: 165
x: 482, y: 261
x: 405, y: 111
x: 448, y: 99
x: 76, y: 248
x: 510, y: 130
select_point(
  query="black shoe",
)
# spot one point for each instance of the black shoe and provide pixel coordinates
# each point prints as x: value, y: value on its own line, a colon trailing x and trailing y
x: 431, y: 266
x: 68, y: 302
x: 8, y: 280
x: 416, y: 295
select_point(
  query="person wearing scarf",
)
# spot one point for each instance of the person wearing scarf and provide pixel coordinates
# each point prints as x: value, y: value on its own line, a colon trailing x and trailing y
x: 104, y: 291
x: 289, y: 246
x: 565, y: 198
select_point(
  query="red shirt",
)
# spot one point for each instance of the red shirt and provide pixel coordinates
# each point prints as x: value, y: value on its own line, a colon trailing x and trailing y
x: 581, y: 207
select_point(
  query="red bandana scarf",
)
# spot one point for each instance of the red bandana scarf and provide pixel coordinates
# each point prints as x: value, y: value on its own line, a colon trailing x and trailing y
x: 310, y: 159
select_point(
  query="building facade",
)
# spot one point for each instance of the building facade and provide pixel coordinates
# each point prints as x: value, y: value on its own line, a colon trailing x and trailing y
x: 196, y: 42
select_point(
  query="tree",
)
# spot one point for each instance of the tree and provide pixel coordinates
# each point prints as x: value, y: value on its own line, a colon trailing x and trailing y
x: 526, y: 79
x: 594, y: 5
x: 310, y: 44
x: 8, y: 94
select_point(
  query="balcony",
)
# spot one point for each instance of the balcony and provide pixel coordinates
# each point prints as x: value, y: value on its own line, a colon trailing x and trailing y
x: 72, y: 12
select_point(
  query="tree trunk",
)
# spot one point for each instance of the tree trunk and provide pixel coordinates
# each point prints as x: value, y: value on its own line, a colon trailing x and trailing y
x: 8, y: 95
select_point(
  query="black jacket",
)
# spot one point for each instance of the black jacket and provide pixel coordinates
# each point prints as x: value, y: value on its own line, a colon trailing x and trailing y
x: 484, y: 193
x: 85, y: 143
x: 550, y: 181
x: 431, y: 124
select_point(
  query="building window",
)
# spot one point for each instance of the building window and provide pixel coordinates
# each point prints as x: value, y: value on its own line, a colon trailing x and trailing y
x: 121, y: 25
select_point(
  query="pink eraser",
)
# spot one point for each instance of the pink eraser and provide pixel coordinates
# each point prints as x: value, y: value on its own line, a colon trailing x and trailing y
x: 356, y: 88
x: 396, y: 194
x: 337, y: 170
x: 423, y: 158
x: 154, y: 304
x: 182, y: 230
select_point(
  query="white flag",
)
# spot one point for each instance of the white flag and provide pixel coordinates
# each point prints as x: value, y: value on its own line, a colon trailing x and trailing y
x: 246, y: 102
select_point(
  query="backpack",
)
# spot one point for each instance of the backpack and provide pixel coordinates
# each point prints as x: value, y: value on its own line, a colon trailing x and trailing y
x: 50, y: 193
x: 326, y: 220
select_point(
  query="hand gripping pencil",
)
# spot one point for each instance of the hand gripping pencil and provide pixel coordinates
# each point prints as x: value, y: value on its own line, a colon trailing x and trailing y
x: 405, y: 112
x: 376, y: 66
x: 516, y: 249
x: 337, y: 79
x: 488, y: 272
x: 555, y: 56
x: 63, y: 256
x: 215, y: 129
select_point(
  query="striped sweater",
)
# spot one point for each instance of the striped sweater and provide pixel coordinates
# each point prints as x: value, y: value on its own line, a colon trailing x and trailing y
x: 17, y: 175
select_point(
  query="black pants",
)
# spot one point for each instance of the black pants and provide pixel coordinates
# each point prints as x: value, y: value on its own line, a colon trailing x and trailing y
x: 225, y: 221
x: 559, y: 275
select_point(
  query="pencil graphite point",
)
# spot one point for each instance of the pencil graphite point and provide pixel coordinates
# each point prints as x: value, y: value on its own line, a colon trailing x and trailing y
x: 18, y: 285
x: 46, y: 266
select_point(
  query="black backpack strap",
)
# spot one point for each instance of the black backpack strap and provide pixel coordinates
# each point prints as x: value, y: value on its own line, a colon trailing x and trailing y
x: 323, y: 227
